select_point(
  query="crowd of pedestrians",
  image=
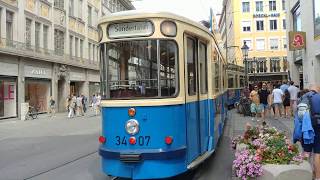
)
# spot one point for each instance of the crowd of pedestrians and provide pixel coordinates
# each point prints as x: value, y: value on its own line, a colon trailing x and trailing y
x: 274, y: 100
x: 286, y: 100
x: 78, y: 105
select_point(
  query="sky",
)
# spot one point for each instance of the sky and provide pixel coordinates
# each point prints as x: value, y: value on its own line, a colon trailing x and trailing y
x: 196, y: 10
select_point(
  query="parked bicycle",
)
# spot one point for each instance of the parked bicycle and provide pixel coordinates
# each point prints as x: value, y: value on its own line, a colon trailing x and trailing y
x: 32, y: 113
x: 243, y: 106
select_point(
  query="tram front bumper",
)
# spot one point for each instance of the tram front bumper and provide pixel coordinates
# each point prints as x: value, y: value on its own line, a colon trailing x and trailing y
x: 143, y: 154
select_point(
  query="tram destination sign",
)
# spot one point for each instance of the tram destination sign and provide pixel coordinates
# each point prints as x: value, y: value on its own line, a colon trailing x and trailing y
x: 130, y: 29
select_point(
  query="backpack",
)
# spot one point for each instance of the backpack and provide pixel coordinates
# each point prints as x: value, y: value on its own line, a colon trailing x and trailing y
x: 306, y: 106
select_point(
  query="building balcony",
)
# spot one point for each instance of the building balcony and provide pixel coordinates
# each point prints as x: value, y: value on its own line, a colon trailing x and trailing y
x: 58, y: 56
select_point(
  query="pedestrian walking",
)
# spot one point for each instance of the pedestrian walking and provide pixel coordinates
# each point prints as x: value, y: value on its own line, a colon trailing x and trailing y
x: 286, y: 104
x: 94, y: 103
x: 263, y: 95
x: 72, y: 106
x: 52, y: 104
x: 79, y: 106
x: 84, y: 103
x: 293, y: 90
x: 284, y: 86
x: 256, y: 108
x: 98, y: 102
x: 313, y: 99
x: 277, y: 101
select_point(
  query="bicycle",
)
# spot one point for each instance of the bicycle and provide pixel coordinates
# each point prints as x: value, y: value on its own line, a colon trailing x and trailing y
x: 32, y: 113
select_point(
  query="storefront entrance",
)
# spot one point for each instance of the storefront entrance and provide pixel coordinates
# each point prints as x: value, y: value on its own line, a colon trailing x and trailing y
x: 37, y: 93
x: 76, y: 88
x: 8, y: 97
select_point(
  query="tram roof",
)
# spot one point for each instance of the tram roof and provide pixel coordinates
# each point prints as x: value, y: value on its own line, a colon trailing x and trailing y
x: 138, y: 14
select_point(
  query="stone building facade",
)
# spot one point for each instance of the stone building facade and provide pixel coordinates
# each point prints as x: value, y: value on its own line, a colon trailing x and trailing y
x: 305, y: 63
x: 49, y: 48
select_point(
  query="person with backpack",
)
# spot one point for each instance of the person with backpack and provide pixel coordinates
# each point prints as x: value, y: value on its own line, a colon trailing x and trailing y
x: 311, y: 102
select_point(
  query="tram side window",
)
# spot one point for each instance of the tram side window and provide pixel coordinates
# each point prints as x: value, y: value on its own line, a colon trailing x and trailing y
x: 230, y: 81
x: 168, y: 53
x: 217, y: 77
x: 133, y: 70
x: 236, y: 81
x: 203, y: 68
x: 241, y: 81
x: 191, y: 65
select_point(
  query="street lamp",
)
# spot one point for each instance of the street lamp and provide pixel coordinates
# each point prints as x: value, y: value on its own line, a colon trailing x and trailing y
x: 244, y: 50
x: 254, y: 64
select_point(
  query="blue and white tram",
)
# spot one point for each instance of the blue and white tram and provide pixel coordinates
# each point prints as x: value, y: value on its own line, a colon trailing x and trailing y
x: 235, y: 75
x: 163, y: 85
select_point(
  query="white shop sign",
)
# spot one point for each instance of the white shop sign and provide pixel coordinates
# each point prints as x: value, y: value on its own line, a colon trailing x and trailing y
x: 77, y: 76
x: 39, y: 72
x: 8, y: 69
x: 131, y: 29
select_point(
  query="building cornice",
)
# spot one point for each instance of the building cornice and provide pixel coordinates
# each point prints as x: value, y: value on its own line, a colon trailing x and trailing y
x: 9, y: 6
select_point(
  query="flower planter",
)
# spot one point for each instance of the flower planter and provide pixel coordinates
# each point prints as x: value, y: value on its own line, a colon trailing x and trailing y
x: 241, y: 146
x: 302, y: 171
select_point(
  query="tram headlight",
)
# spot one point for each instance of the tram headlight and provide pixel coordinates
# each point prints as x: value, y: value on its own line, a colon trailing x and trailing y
x: 132, y: 126
x: 168, y: 28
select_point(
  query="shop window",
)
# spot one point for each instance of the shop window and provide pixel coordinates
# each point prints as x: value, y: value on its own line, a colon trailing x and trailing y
x: 8, y: 98
x: 37, y: 94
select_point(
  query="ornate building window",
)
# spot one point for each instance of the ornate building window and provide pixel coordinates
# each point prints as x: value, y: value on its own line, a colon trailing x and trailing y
x: 9, y: 28
x: 275, y: 64
x: 28, y: 33
x: 58, y: 42
x: 285, y: 64
x: 59, y: 4
x: 37, y: 35
x: 45, y: 36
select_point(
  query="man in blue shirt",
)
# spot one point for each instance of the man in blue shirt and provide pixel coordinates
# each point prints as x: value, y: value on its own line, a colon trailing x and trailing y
x: 284, y: 86
x: 315, y: 119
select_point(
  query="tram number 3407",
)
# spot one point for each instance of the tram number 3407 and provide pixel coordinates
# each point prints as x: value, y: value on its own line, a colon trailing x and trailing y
x: 141, y: 140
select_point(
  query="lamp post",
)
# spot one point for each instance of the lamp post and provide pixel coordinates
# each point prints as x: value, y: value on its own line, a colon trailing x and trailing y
x: 244, y: 50
x: 254, y: 64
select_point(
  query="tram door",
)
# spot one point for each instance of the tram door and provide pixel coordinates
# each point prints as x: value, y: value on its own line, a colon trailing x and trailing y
x: 194, y: 115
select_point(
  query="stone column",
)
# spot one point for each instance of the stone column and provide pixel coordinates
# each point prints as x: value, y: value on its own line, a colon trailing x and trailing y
x: 54, y: 82
x: 21, y: 85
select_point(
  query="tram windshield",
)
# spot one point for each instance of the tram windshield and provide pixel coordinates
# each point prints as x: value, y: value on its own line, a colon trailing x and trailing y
x: 139, y: 69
